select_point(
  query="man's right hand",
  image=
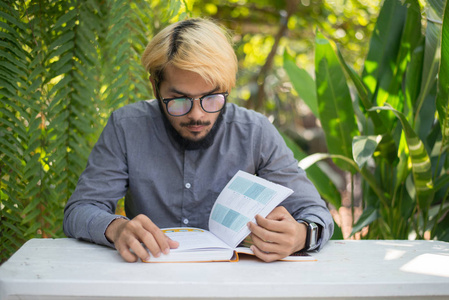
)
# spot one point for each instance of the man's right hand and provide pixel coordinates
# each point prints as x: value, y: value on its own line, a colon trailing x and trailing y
x: 130, y: 234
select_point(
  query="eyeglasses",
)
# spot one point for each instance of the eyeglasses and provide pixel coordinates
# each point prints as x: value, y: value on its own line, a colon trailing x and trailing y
x: 183, y: 105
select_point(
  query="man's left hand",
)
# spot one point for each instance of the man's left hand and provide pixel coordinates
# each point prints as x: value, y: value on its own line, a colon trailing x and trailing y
x: 277, y: 236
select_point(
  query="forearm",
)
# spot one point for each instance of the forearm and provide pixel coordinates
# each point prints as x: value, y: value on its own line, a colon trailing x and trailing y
x: 321, y: 216
x: 88, y: 222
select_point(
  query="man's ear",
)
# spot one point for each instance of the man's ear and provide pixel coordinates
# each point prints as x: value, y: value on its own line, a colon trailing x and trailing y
x: 153, y: 84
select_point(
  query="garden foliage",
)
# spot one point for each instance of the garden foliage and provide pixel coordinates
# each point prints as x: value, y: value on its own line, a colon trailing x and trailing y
x: 393, y: 129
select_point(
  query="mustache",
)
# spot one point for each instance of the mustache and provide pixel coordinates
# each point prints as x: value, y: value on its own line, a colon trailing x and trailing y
x: 195, y: 123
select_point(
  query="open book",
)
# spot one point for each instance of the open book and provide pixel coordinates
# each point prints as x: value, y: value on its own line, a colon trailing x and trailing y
x: 239, y: 202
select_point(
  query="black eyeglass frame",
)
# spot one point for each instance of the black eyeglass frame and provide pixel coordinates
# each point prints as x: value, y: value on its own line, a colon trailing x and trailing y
x: 166, y: 101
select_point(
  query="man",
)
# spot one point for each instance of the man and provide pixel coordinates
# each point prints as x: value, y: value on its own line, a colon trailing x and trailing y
x: 172, y: 156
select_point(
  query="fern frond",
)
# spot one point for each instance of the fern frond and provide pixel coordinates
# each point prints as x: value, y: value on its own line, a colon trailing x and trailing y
x: 13, y: 132
x: 64, y: 66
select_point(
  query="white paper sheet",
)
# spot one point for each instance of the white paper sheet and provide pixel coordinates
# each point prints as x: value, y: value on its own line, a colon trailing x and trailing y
x: 241, y: 200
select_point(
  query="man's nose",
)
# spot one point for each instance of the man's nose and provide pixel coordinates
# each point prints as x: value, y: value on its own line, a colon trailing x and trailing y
x: 197, y: 111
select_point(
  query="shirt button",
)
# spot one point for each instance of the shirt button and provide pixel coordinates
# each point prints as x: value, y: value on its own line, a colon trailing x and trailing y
x: 188, y: 185
x: 185, y: 221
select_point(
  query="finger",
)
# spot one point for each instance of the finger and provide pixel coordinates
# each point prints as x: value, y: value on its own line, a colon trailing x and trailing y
x: 125, y: 253
x: 270, y: 225
x: 140, y: 250
x: 173, y: 244
x: 262, y: 233
x: 267, y: 257
x: 283, y: 222
x: 151, y: 244
x: 156, y: 238
x: 162, y: 240
x: 134, y: 234
x: 266, y: 246
x: 285, y: 242
x: 279, y: 213
x: 149, y: 234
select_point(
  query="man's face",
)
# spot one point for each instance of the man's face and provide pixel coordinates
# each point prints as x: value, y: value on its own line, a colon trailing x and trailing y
x: 195, y: 125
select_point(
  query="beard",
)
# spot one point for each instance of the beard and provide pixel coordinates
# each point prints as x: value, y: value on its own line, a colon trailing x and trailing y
x: 189, y: 144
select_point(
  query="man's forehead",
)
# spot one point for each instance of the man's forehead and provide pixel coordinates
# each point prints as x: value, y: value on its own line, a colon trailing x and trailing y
x: 175, y: 90
x: 186, y: 82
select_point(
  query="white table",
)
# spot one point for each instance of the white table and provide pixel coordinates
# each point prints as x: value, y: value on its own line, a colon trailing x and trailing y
x: 68, y: 269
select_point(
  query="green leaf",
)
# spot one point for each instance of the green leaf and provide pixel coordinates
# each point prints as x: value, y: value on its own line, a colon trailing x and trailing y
x: 9, y: 29
x: 363, y: 148
x: 384, y: 44
x: 31, y: 213
x: 441, y: 182
x: 435, y: 10
x: 363, y: 92
x: 65, y: 18
x: 17, y: 51
x: 442, y: 101
x: 302, y: 82
x: 13, y: 68
x: 59, y: 50
x: 321, y: 181
x: 16, y: 229
x: 366, y: 174
x: 421, y: 166
x: 62, y: 39
x: 61, y: 85
x: 9, y: 154
x: 334, y: 100
x: 8, y: 37
x: 33, y: 167
x: 369, y: 215
x: 13, y: 20
x: 121, y: 38
x: 413, y: 77
x: 338, y: 234
x: 63, y: 64
x: 308, y: 161
x: 15, y: 60
x: 34, y: 227
x: 442, y: 232
x: 12, y: 88
x: 390, y: 90
x: 387, y: 146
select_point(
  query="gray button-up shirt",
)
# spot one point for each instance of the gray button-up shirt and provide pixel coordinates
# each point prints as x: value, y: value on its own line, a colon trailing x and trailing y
x: 136, y: 156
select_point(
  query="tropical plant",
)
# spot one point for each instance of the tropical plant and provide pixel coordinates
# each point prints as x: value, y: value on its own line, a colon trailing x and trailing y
x: 64, y: 65
x: 392, y: 128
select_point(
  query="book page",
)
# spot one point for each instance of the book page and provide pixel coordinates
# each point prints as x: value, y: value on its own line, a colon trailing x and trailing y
x: 195, y: 245
x: 193, y: 239
x: 241, y: 200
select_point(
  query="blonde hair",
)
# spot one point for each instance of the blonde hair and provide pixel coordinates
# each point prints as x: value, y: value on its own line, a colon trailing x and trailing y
x: 196, y: 45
